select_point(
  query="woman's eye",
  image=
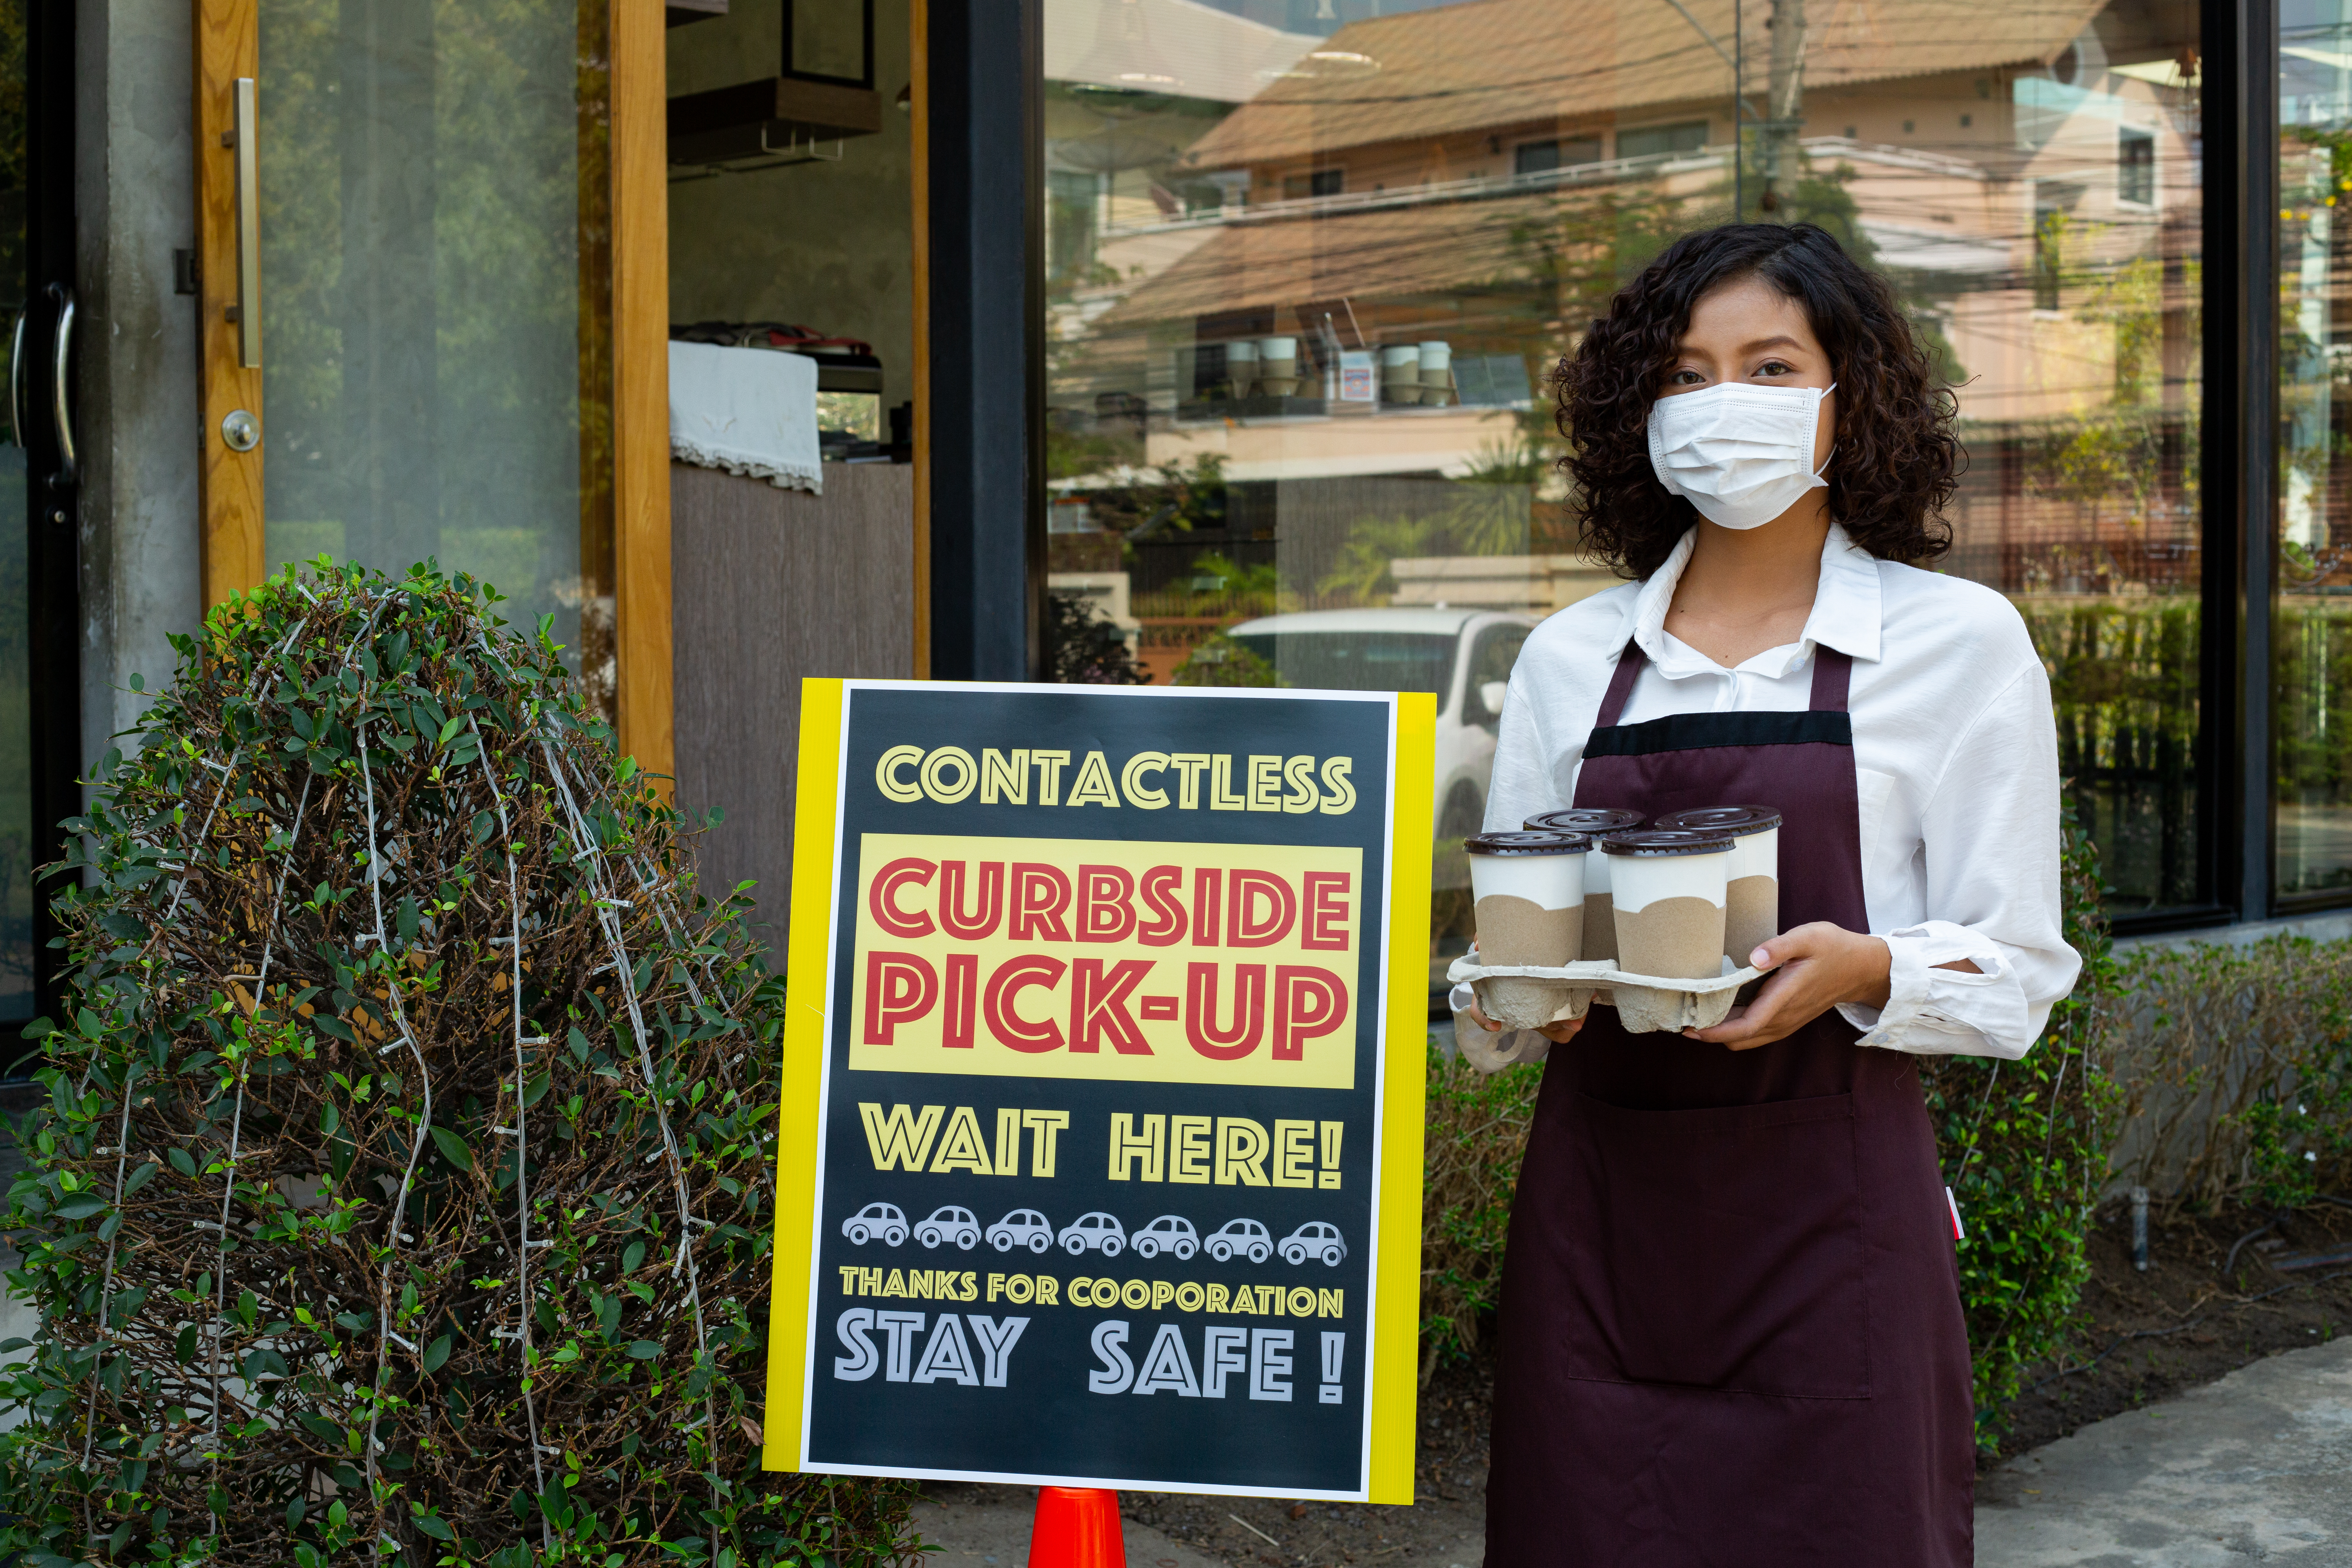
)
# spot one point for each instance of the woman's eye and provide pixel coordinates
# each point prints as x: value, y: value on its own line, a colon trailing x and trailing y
x: 1688, y: 378
x: 1775, y: 367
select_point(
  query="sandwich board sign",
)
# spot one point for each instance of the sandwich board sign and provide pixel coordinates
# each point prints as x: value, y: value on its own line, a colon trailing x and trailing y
x: 1100, y: 1156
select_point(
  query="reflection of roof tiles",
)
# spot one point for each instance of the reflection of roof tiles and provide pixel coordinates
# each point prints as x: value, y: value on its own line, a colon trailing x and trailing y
x: 1454, y: 68
x: 1381, y: 254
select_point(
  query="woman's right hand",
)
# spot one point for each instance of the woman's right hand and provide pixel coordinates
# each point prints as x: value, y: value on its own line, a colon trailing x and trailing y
x: 1559, y: 1034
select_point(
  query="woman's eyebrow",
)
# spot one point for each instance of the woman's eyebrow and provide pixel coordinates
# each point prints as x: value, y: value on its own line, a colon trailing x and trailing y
x: 1775, y: 342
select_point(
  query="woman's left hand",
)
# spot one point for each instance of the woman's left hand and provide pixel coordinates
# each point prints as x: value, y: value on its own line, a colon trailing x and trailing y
x: 1814, y: 968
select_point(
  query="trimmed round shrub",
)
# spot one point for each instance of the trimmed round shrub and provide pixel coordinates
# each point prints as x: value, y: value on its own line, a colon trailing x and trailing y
x: 404, y: 1191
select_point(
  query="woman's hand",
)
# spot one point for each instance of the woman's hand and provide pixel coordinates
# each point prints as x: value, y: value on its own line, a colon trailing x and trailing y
x: 1558, y: 1034
x: 1814, y: 968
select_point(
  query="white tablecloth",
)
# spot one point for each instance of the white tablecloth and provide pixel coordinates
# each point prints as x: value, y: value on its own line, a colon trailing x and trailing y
x: 748, y: 411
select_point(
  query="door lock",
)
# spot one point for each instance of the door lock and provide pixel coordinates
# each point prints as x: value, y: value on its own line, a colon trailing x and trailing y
x: 240, y: 431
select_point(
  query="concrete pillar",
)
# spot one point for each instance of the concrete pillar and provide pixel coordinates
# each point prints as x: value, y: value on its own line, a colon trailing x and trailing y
x: 134, y: 183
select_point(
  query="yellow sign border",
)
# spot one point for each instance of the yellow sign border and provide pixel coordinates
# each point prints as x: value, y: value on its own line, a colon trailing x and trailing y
x: 801, y: 1114
x: 1396, y: 1307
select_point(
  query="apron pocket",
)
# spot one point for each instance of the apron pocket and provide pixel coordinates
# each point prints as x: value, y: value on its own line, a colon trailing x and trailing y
x: 1719, y: 1248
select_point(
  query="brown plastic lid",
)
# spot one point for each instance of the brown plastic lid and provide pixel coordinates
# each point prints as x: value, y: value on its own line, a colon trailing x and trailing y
x: 1528, y: 844
x: 1737, y: 821
x: 1656, y: 841
x: 1586, y: 819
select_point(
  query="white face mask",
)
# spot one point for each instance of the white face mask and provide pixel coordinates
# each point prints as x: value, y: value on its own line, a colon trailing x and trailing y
x: 1743, y: 454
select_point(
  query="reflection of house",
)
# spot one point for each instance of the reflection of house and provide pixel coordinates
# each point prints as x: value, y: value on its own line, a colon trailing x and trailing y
x: 1482, y: 173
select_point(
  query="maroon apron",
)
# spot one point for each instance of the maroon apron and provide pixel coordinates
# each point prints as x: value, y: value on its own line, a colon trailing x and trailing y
x: 1731, y: 1328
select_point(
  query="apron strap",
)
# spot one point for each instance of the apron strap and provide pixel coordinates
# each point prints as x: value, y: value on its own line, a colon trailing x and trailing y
x: 1832, y: 673
x: 1621, y: 686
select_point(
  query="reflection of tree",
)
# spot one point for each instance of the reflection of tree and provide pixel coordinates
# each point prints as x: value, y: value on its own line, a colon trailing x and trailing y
x: 2123, y: 684
x: 420, y: 197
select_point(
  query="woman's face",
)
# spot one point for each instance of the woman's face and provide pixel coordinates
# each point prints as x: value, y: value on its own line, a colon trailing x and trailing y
x: 1748, y: 330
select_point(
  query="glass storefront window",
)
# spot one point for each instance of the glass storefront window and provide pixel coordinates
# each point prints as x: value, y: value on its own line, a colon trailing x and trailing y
x: 2311, y: 628
x: 1311, y: 262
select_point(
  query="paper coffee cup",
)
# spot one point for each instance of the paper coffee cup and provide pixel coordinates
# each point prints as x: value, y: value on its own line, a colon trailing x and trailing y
x: 1241, y: 366
x: 1752, y: 890
x: 1400, y: 373
x: 1666, y: 892
x: 1277, y: 366
x: 1529, y: 892
x: 1600, y: 921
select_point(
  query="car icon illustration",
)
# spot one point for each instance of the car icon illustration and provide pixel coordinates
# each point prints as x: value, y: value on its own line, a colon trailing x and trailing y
x: 1097, y: 1230
x: 950, y: 1227
x: 1169, y: 1232
x: 1314, y: 1239
x: 1022, y: 1227
x: 1240, y: 1237
x: 880, y: 1222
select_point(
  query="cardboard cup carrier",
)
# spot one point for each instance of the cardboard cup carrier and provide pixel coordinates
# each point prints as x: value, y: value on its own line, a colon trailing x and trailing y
x: 1667, y: 889
x: 1529, y: 889
x: 1600, y: 921
x: 1752, y: 891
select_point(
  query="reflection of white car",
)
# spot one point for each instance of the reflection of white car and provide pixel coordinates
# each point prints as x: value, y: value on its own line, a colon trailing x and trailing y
x: 950, y: 1227
x: 1242, y: 1237
x: 1464, y: 656
x: 1097, y: 1230
x: 1022, y: 1227
x: 1314, y: 1239
x: 1169, y: 1232
x: 875, y: 1220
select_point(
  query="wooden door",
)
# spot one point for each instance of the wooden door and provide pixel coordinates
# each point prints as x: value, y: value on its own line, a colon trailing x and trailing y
x: 434, y: 275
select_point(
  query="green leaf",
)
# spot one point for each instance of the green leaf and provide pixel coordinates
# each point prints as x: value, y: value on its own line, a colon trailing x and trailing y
x: 435, y: 1355
x: 81, y: 1205
x: 453, y: 1149
x: 644, y: 1350
x: 633, y: 1257
x: 451, y: 727
x: 141, y: 1177
x: 431, y: 1525
x: 329, y: 1119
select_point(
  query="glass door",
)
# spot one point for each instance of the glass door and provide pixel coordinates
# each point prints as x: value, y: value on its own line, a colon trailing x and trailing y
x: 409, y: 344
x: 39, y: 494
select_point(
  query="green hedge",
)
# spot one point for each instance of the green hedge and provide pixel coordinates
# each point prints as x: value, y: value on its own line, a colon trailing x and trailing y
x: 2024, y: 1149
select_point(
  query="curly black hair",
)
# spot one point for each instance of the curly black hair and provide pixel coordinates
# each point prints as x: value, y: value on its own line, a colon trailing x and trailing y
x: 1898, y: 460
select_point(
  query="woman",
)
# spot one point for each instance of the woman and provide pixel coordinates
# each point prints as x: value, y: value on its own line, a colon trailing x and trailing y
x: 1731, y: 1330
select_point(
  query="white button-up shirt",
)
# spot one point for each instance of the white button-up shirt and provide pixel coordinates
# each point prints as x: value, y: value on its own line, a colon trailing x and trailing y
x: 1956, y: 771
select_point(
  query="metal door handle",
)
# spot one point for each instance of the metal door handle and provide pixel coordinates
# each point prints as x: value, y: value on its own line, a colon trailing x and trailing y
x: 61, y: 389
x: 16, y: 373
x: 247, y: 137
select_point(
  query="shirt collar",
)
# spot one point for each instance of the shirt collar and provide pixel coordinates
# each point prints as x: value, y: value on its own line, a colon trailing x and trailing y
x: 1845, y: 605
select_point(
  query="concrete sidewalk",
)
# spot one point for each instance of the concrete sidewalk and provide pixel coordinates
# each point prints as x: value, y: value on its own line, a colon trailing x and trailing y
x: 2257, y: 1467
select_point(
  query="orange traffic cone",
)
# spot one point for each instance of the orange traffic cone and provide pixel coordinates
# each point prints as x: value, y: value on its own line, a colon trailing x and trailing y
x: 1076, y: 1527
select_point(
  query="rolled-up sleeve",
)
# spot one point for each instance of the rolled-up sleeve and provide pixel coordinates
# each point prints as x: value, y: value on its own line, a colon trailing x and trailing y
x: 1989, y: 842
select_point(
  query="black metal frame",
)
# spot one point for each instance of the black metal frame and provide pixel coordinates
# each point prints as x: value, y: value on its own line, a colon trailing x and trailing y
x: 987, y: 315
x: 53, y: 527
